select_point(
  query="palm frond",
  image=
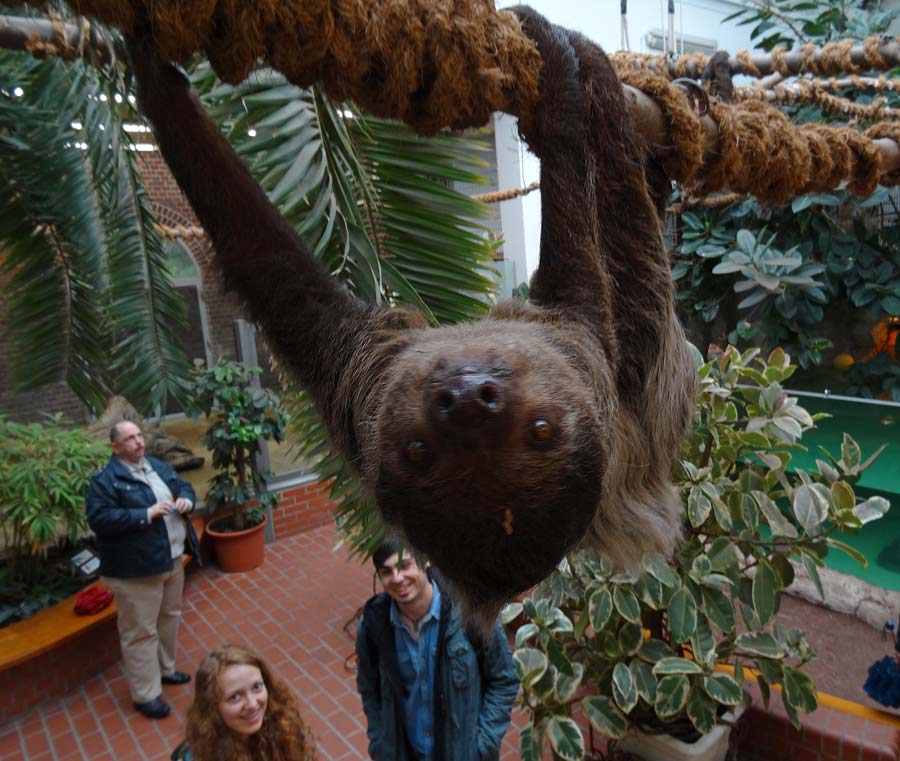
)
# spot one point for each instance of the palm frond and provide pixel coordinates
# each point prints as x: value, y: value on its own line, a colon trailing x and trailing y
x: 80, y: 247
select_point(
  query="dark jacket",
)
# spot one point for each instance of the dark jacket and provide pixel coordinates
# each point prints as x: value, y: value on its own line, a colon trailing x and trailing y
x: 475, y: 688
x: 130, y: 546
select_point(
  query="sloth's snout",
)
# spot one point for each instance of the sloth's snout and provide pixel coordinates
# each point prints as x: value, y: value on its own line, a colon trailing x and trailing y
x: 468, y: 400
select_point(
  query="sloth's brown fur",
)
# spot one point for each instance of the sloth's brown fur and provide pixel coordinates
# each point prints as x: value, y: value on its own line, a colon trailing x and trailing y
x: 586, y: 389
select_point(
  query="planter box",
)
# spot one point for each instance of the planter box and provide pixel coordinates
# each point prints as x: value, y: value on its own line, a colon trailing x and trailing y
x: 710, y: 747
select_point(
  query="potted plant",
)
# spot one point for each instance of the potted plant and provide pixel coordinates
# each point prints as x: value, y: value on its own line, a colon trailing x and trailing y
x: 44, y: 473
x: 662, y: 649
x: 242, y: 414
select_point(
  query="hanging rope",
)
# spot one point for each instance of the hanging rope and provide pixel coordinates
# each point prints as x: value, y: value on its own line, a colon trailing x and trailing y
x: 497, y: 196
x: 623, y: 35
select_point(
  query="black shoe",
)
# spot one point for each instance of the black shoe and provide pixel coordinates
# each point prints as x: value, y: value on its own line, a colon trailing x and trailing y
x: 154, y: 709
x: 176, y: 677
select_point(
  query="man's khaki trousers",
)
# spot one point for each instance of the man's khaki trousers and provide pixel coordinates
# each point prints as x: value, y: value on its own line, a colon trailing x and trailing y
x: 149, y: 610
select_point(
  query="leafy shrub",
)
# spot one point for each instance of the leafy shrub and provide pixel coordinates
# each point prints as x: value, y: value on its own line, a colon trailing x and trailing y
x: 242, y: 415
x: 44, y: 473
x: 645, y: 647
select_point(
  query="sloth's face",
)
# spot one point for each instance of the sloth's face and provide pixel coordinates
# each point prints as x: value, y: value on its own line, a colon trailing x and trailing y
x: 490, y: 456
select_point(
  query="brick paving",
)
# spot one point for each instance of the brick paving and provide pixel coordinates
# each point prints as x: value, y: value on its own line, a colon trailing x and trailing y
x: 292, y: 610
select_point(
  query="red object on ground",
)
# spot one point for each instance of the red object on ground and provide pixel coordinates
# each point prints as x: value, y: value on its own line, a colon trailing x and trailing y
x: 92, y: 600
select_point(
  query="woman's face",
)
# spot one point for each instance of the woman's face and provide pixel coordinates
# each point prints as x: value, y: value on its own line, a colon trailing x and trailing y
x: 242, y: 704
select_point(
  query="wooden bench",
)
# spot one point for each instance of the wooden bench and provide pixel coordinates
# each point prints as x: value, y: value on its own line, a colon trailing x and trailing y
x: 57, y: 624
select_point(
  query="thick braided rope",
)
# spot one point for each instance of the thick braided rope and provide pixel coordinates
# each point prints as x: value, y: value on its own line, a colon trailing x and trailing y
x: 831, y: 59
x: 811, y: 92
x: 761, y: 153
x: 440, y: 63
x: 431, y: 63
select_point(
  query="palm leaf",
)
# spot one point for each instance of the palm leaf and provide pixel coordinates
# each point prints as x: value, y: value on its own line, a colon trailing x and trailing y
x: 95, y: 271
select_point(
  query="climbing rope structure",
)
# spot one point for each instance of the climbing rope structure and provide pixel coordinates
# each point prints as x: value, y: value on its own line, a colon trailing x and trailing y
x: 438, y: 64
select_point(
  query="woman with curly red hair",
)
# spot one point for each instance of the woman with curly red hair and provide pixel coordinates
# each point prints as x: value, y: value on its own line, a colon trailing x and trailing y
x: 242, y: 712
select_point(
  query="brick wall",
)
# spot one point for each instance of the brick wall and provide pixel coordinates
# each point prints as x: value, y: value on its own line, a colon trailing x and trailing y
x: 59, y: 670
x: 836, y: 731
x: 302, y: 505
x: 172, y: 209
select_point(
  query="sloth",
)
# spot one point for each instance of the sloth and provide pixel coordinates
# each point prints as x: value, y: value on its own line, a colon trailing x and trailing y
x: 494, y: 447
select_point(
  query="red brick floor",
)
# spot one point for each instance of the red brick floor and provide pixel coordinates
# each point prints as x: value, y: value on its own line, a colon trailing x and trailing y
x: 292, y: 610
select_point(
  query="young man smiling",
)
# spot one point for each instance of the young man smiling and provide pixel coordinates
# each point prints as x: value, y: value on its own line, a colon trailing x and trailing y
x: 428, y: 692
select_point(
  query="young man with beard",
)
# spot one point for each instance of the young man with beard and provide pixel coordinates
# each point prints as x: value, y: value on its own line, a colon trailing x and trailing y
x: 429, y: 692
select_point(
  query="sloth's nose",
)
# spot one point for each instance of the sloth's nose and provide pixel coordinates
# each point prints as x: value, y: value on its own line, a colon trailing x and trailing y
x: 468, y: 400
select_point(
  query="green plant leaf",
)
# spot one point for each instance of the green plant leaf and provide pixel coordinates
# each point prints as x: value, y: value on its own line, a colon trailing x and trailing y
x: 719, y: 608
x: 771, y: 670
x: 779, y: 525
x: 699, y: 507
x: 600, y: 608
x: 530, y: 665
x: 565, y: 738
x: 764, y: 591
x: 842, y: 496
x: 566, y: 686
x: 676, y: 666
x: 703, y: 643
x: 850, y: 451
x: 701, y: 711
x: 760, y: 643
x: 604, y: 716
x: 530, y: 744
x: 672, y: 694
x: 657, y: 567
x: 722, y: 688
x: 653, y: 650
x: 807, y: 508
x: 799, y: 690
x: 644, y: 681
x: 624, y: 690
x: 510, y: 612
x: 847, y: 549
x: 870, y: 510
x: 557, y: 655
x: 627, y: 604
x: 631, y: 637
x: 682, y: 615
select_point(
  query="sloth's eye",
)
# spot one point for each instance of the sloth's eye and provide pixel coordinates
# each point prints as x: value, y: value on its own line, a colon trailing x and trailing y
x: 541, y: 432
x: 417, y: 453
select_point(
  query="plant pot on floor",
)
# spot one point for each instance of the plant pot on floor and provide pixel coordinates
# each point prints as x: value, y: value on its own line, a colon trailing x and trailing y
x: 238, y: 551
x: 710, y: 747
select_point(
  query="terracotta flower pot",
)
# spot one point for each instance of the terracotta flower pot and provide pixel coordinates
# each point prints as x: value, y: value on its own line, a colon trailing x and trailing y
x: 238, y: 551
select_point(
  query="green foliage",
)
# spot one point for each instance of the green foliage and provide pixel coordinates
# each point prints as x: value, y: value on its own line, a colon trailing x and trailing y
x: 838, y: 257
x: 788, y: 23
x: 749, y: 518
x: 44, y: 474
x: 243, y: 414
x: 84, y: 280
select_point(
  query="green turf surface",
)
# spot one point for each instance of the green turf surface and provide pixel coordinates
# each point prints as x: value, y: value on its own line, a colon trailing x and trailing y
x: 872, y: 425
